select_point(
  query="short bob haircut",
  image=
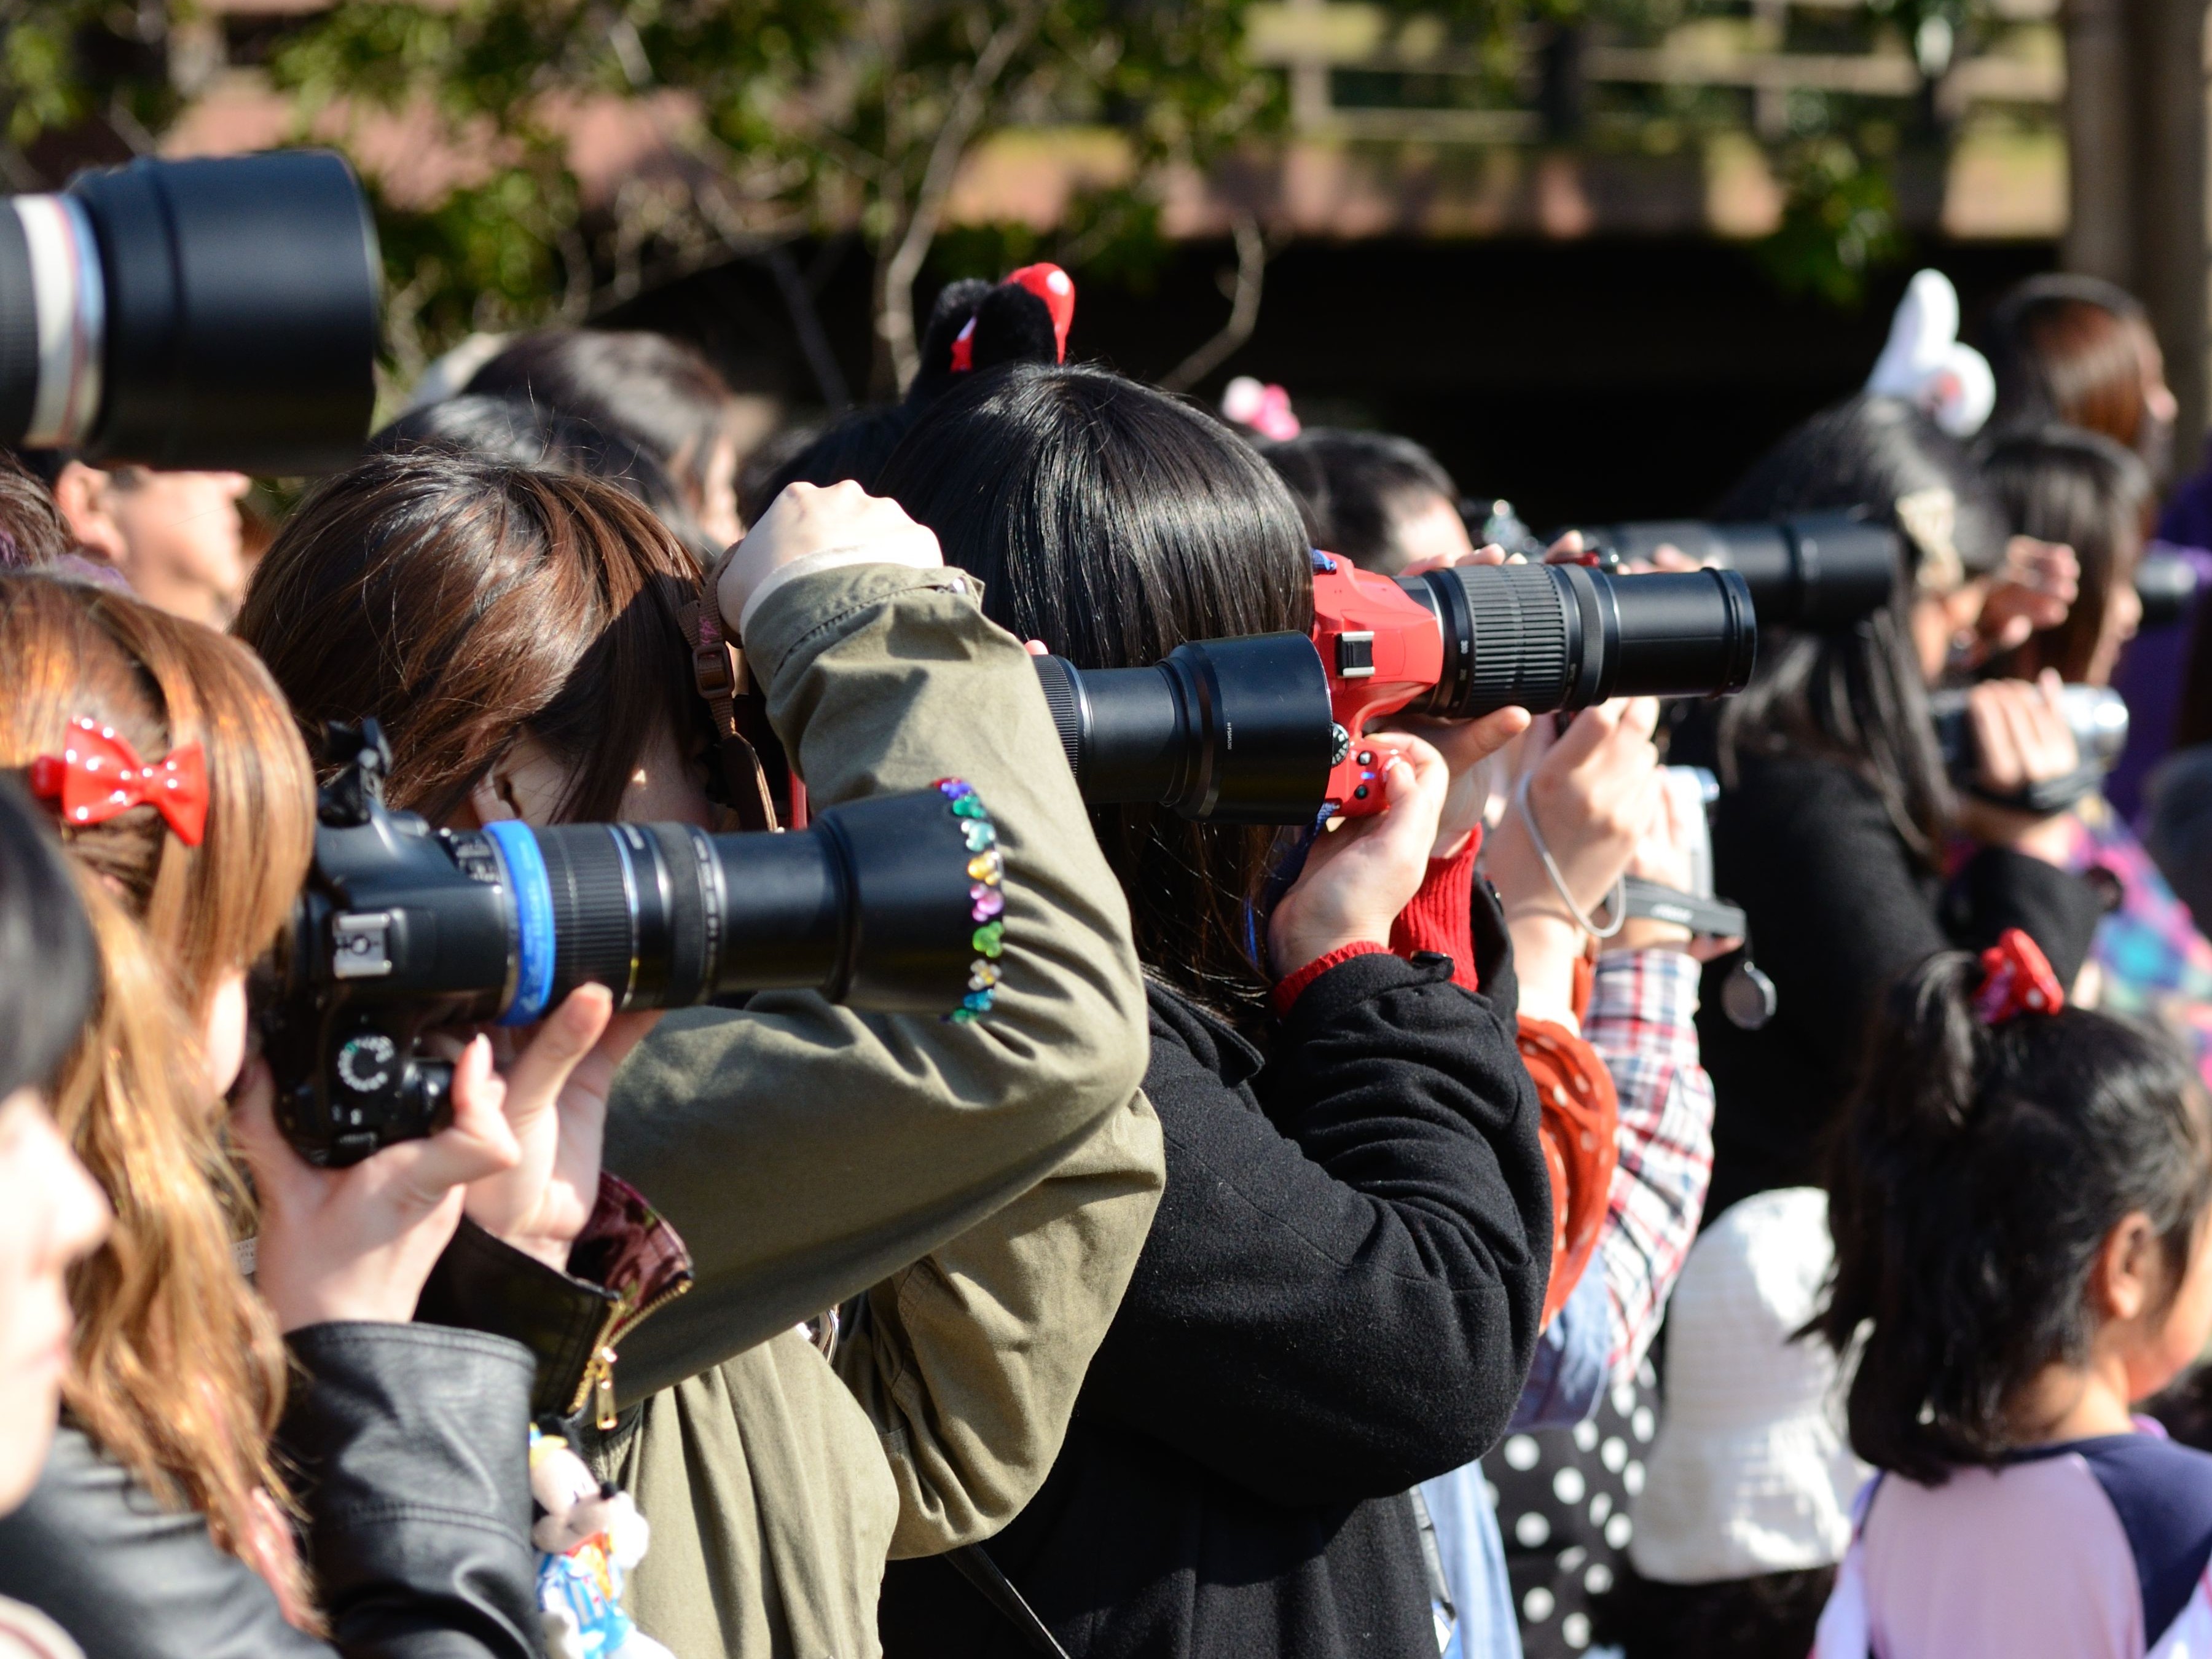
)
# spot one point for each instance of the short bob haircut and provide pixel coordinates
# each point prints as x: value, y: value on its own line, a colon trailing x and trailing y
x: 1112, y: 523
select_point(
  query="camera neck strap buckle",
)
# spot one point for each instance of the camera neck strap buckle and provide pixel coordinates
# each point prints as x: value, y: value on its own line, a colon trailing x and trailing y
x: 718, y: 671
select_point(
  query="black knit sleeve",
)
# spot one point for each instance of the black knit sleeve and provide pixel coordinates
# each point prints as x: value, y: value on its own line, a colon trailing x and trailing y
x: 1341, y: 1292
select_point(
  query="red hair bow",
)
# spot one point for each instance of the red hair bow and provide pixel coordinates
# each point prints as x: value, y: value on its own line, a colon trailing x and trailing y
x: 2016, y: 979
x: 99, y: 776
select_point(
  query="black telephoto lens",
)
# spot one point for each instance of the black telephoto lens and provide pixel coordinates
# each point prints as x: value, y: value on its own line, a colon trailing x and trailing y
x: 209, y: 314
x: 1235, y: 730
x: 1818, y: 571
x: 1549, y: 636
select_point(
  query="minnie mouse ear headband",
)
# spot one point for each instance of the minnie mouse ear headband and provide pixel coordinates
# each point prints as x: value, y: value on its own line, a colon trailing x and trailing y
x: 2016, y: 979
x: 1924, y: 365
x: 99, y: 776
x: 1264, y: 410
x: 976, y: 325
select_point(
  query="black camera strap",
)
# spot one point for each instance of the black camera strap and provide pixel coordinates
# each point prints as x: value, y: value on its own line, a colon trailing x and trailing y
x: 718, y: 671
x: 980, y: 1571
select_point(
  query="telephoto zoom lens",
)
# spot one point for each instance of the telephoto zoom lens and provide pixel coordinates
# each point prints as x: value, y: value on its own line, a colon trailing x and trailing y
x: 892, y: 904
x: 1818, y: 571
x: 211, y: 314
x: 1233, y: 730
x: 1549, y: 636
x: 872, y: 905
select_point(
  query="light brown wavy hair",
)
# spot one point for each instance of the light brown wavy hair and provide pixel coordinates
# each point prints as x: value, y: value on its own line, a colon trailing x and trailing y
x: 178, y: 1371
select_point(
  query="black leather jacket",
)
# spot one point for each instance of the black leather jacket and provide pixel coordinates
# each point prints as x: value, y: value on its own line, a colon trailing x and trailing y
x: 410, y: 1443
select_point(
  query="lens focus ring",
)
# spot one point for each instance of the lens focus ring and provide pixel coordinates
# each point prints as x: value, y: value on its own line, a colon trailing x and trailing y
x: 1521, y: 631
x: 593, y: 909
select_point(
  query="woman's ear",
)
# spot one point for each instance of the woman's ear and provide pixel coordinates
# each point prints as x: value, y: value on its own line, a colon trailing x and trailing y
x: 491, y: 798
x: 2128, y: 1279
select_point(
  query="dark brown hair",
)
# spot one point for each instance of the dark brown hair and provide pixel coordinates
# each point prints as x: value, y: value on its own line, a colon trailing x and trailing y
x: 2060, y: 483
x: 1114, y: 523
x: 463, y: 601
x: 645, y: 386
x: 33, y: 531
x: 2073, y: 349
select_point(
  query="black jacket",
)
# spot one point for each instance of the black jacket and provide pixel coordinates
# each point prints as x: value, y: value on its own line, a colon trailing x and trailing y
x: 1340, y: 1298
x: 1838, y: 906
x: 410, y: 1441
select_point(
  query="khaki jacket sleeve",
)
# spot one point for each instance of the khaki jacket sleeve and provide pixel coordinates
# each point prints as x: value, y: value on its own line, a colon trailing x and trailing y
x: 970, y: 1361
x: 805, y: 1152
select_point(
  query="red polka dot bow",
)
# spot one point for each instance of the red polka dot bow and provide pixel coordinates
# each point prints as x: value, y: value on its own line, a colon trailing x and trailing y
x: 2016, y: 979
x: 98, y: 776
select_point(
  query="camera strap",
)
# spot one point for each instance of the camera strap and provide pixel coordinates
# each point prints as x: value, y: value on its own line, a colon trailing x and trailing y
x: 718, y: 671
x: 980, y: 1571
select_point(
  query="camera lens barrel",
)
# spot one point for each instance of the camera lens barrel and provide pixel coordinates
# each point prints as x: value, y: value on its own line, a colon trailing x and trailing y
x: 873, y: 904
x: 208, y: 314
x: 1817, y: 571
x: 1550, y: 636
x: 1233, y: 730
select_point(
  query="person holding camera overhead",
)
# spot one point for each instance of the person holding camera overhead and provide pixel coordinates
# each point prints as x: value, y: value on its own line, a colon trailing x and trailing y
x: 1341, y: 1293
x: 975, y: 1194
x: 162, y: 1526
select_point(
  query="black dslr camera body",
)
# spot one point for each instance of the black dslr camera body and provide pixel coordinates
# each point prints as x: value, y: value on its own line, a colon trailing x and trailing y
x: 891, y: 904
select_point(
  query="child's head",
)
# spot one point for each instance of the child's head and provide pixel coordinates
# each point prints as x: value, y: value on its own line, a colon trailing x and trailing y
x: 2013, y: 1192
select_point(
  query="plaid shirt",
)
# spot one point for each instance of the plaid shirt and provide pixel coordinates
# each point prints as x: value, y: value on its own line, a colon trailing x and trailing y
x: 1642, y: 1011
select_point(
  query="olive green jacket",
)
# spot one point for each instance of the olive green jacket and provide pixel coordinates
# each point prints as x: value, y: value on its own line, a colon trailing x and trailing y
x: 986, y: 1188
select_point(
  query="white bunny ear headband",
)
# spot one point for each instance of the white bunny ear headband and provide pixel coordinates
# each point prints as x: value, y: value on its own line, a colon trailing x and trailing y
x: 1924, y: 364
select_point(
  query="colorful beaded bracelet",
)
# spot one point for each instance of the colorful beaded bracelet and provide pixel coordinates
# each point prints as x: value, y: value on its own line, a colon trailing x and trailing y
x: 987, y: 866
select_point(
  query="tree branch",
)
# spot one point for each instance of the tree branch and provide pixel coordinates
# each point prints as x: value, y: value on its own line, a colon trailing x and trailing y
x: 895, y: 312
x: 812, y: 340
x: 1243, y: 311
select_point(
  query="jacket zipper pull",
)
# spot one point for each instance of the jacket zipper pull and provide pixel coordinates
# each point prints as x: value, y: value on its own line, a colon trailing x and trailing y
x: 603, y: 1388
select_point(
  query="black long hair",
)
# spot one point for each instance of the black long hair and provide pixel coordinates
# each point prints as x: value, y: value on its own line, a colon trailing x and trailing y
x: 1857, y: 695
x: 1978, y: 1173
x: 1114, y: 523
x: 48, y: 969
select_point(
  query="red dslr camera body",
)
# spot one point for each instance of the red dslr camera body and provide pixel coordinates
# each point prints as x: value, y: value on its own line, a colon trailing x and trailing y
x: 1381, y: 649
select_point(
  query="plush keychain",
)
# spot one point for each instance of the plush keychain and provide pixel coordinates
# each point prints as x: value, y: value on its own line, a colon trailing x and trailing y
x: 589, y: 1535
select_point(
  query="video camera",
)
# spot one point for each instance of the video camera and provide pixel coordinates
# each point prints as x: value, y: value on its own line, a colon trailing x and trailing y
x: 2096, y: 715
x: 1265, y: 729
x: 891, y: 904
x: 217, y: 314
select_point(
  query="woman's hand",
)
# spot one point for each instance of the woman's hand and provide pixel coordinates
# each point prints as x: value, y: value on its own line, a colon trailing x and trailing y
x: 1593, y: 791
x: 1663, y: 857
x: 1358, y: 878
x: 2020, y: 738
x: 556, y: 1106
x: 1464, y: 745
x: 359, y: 1244
x: 2033, y: 590
x: 808, y: 522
